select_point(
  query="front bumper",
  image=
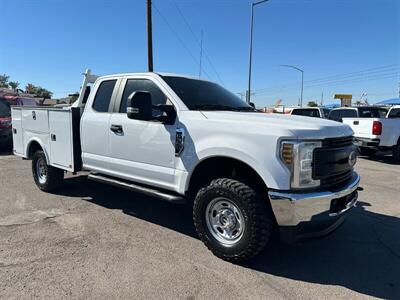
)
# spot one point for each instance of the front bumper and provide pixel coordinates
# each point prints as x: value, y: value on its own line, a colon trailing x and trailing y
x: 313, y: 212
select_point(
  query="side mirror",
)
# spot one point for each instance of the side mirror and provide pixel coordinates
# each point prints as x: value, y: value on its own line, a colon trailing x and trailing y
x: 170, y: 113
x: 252, y: 104
x: 139, y: 106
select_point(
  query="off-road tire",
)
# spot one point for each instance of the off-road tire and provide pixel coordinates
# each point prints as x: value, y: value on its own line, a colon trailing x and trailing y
x: 258, y: 218
x: 367, y: 151
x: 54, y: 177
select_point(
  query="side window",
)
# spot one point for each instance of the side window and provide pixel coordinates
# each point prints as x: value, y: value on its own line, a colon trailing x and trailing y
x: 394, y: 113
x: 133, y: 85
x: 102, y: 99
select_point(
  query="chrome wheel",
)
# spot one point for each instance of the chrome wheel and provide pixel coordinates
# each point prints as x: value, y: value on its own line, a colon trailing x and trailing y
x: 225, y: 221
x: 41, y: 171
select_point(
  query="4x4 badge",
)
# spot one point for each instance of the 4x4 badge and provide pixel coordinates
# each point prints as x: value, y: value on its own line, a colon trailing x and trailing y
x: 179, y: 141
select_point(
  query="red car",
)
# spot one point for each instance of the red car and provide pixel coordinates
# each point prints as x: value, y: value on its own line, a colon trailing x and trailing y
x: 5, y: 117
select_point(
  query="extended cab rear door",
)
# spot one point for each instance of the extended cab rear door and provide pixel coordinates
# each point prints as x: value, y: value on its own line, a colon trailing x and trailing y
x: 142, y: 151
x: 95, y: 125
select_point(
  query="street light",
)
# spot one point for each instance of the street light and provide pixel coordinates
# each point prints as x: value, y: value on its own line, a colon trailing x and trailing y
x: 248, y: 94
x: 302, y: 81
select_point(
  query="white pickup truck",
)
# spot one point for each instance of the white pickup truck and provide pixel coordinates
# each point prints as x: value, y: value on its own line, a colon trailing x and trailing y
x: 374, y: 128
x: 188, y: 140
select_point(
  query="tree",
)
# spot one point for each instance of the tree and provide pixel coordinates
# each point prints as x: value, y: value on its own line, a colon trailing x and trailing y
x: 30, y: 89
x: 4, y: 81
x: 43, y: 93
x: 14, y: 85
x: 38, y: 91
x: 312, y: 104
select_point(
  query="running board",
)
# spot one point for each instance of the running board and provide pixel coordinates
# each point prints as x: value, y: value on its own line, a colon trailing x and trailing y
x: 170, y: 197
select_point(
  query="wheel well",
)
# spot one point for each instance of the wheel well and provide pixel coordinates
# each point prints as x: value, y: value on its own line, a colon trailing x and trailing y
x: 217, y: 167
x: 33, y: 147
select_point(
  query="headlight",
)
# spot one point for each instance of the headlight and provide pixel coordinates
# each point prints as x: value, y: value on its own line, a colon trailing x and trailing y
x: 298, y: 157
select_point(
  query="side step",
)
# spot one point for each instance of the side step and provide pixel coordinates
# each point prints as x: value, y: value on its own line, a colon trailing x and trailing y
x: 164, y: 195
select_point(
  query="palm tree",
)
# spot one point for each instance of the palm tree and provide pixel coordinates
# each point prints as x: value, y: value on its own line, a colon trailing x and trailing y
x: 14, y: 85
x: 30, y: 89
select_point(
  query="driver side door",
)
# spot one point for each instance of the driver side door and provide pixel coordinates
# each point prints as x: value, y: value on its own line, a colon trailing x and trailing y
x: 142, y: 151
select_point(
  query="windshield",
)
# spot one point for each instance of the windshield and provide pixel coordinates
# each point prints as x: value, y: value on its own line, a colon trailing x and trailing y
x: 5, y: 110
x: 204, y: 95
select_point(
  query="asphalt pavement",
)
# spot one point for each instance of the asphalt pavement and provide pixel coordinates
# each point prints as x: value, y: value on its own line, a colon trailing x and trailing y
x: 93, y: 241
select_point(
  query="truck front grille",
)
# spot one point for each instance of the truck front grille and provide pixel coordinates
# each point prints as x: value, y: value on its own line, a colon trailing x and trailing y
x: 331, y: 162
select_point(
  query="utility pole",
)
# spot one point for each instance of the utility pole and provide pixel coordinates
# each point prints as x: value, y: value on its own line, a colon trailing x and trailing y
x: 149, y: 37
x: 248, y: 93
x: 302, y: 80
x: 201, y: 53
x: 322, y: 98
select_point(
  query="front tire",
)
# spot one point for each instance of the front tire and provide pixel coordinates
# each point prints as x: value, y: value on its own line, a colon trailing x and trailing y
x: 47, y: 178
x: 232, y: 220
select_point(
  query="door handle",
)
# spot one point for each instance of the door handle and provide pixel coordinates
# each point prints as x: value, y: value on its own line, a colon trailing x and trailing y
x: 116, y: 128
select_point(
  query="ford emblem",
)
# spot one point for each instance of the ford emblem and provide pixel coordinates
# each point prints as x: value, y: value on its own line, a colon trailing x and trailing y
x: 352, y: 158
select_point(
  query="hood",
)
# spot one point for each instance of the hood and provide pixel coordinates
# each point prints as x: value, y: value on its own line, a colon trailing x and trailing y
x: 299, y: 126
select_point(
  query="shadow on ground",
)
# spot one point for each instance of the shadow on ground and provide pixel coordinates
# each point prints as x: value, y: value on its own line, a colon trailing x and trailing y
x: 363, y: 255
x: 382, y: 158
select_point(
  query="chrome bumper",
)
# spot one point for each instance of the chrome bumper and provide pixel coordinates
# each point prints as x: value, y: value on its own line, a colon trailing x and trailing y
x: 290, y: 209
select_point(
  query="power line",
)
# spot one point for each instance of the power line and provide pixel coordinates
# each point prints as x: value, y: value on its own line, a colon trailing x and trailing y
x: 336, y: 84
x: 198, y: 42
x: 179, y: 39
x: 390, y: 70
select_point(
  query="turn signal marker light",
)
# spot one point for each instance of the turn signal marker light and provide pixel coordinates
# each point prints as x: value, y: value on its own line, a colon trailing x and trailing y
x: 287, y: 153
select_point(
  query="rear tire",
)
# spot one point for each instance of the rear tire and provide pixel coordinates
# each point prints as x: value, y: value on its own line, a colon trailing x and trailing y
x: 367, y: 151
x: 47, y: 178
x: 232, y: 219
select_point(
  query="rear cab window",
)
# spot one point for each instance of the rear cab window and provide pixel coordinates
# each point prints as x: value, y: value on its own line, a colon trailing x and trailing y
x: 371, y: 112
x: 339, y: 114
x: 103, y: 96
x: 308, y: 112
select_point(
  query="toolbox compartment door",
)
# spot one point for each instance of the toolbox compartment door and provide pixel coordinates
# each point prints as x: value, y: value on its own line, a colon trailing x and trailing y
x: 61, y: 140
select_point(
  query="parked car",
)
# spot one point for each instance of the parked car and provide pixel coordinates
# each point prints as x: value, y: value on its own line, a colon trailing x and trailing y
x: 316, y: 112
x: 183, y: 139
x: 338, y: 114
x: 5, y: 124
x: 373, y: 131
x: 5, y: 117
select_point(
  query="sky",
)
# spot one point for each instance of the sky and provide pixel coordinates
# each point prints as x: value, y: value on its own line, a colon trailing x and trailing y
x: 343, y: 46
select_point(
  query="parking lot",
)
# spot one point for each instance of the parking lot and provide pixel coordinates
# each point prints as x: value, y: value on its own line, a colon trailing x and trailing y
x: 93, y: 240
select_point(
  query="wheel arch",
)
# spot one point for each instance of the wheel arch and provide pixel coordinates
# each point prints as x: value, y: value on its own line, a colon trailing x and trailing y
x: 33, y: 146
x: 224, y: 166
